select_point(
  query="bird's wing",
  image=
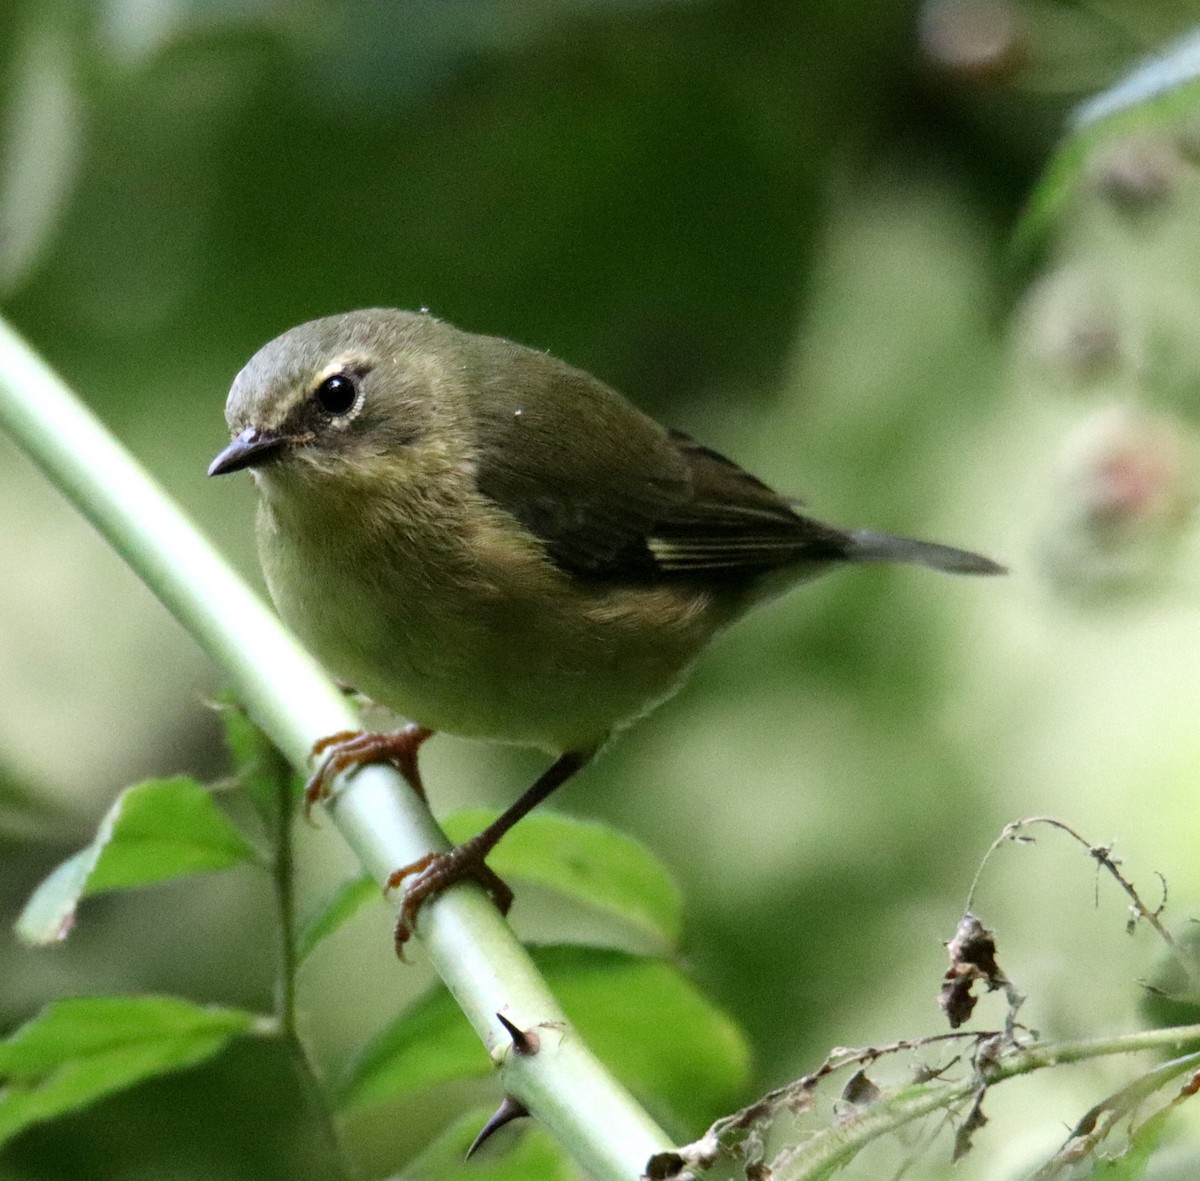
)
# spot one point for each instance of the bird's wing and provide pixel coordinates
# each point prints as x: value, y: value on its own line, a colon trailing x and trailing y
x: 734, y: 525
x: 576, y: 464
x: 614, y: 497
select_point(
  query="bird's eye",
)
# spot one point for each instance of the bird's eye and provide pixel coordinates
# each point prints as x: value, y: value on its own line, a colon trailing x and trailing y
x: 337, y: 394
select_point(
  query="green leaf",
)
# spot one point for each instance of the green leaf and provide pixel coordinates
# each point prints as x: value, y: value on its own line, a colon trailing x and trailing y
x: 1144, y: 1141
x: 258, y: 763
x: 682, y: 1056
x: 532, y: 1156
x: 164, y: 828
x: 347, y: 900
x: 587, y: 861
x: 685, y: 1057
x: 78, y: 1050
x: 1157, y: 95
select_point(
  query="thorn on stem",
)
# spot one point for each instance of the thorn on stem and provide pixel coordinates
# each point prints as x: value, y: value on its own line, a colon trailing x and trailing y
x: 525, y: 1042
x: 509, y: 1110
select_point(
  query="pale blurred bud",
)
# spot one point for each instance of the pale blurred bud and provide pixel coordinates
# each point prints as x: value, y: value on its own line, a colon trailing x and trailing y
x: 1138, y: 172
x: 973, y: 39
x: 1126, y: 503
x: 1068, y: 326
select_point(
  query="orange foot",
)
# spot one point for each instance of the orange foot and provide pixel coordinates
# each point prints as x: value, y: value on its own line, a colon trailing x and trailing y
x: 355, y: 748
x: 433, y: 873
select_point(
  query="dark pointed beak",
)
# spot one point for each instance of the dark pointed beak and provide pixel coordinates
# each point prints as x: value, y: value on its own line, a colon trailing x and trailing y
x: 250, y: 449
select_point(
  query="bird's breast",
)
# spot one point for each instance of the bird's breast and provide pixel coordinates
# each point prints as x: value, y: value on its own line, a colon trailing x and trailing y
x: 472, y: 630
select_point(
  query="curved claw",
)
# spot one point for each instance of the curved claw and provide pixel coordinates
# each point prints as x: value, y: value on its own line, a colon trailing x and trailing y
x: 349, y: 749
x: 317, y: 789
x: 434, y: 873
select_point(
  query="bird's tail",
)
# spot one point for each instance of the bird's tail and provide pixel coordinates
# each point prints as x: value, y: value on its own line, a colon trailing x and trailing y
x: 869, y: 546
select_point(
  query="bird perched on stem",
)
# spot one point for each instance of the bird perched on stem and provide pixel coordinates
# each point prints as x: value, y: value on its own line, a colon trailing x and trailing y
x: 493, y: 543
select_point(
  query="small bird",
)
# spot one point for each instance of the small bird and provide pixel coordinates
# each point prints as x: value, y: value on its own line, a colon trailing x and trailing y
x: 493, y: 543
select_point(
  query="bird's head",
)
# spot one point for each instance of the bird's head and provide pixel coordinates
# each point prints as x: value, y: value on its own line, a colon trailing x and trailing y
x: 358, y: 399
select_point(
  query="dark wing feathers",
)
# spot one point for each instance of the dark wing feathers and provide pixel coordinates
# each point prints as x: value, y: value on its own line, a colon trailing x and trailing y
x: 734, y: 523
x: 591, y: 493
x: 621, y: 500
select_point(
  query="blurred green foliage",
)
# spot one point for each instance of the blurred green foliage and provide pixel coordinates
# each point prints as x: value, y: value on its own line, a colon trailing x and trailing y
x: 780, y: 226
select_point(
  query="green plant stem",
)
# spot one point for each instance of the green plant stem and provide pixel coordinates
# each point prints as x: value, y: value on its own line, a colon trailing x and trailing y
x: 837, y: 1145
x: 284, y: 880
x: 469, y: 944
x: 283, y: 873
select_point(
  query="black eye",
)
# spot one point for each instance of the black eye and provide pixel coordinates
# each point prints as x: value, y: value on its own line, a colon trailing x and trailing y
x: 337, y: 394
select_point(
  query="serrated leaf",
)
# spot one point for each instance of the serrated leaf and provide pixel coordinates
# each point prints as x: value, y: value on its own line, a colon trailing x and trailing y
x: 1158, y: 94
x: 534, y: 1156
x: 78, y: 1050
x: 680, y: 1054
x: 161, y: 829
x: 346, y: 901
x: 587, y: 861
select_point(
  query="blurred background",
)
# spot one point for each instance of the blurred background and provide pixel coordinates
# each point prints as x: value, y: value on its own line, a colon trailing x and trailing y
x: 785, y: 228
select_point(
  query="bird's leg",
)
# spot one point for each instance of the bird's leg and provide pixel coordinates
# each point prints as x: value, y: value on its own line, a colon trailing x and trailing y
x: 354, y: 748
x: 432, y: 873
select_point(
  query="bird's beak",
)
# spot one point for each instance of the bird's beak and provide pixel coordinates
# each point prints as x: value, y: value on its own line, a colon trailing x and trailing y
x: 250, y: 449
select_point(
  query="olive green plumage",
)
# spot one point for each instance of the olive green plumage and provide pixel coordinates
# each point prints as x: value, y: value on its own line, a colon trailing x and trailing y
x: 493, y: 543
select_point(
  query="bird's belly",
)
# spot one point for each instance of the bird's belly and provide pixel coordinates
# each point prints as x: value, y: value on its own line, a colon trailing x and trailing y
x: 481, y: 661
